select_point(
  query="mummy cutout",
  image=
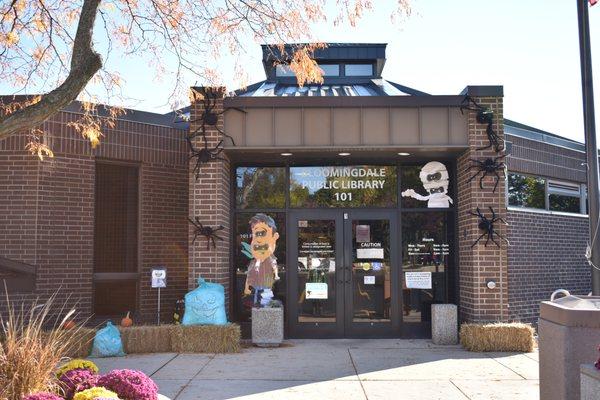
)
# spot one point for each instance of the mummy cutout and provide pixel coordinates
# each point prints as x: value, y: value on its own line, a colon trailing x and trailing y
x: 435, y: 179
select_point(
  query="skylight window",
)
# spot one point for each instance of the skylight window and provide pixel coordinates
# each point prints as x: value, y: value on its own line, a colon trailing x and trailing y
x: 359, y: 69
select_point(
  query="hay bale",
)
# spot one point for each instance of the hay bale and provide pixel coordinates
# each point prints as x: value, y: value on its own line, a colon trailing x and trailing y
x: 206, y: 338
x: 516, y: 337
x: 146, y: 339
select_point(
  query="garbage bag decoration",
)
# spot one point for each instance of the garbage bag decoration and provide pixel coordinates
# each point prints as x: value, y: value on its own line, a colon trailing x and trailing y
x: 107, y: 342
x: 205, y: 305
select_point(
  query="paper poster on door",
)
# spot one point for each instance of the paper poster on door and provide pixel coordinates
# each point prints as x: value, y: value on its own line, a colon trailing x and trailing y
x: 417, y: 280
x: 369, y: 253
x: 363, y: 233
x: 316, y: 291
x: 369, y: 280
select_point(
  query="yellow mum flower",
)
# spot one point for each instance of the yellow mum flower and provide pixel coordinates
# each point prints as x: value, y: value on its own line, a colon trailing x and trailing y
x: 77, y: 364
x: 95, y: 393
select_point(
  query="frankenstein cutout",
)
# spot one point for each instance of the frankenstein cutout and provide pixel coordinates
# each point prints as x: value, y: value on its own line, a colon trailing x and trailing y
x: 262, y: 269
x: 435, y: 179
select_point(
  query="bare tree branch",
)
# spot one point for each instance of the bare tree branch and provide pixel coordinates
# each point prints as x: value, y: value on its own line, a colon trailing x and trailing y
x: 85, y: 62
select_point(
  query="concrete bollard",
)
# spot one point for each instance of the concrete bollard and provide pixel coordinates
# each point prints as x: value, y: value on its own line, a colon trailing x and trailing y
x: 444, y: 323
x: 267, y: 326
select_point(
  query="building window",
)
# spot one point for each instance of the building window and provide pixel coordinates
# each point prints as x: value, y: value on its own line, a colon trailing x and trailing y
x: 526, y: 191
x: 330, y: 69
x: 545, y: 194
x: 565, y: 197
x: 358, y: 69
x: 343, y: 186
x: 115, y: 239
x: 260, y: 187
x: 283, y: 71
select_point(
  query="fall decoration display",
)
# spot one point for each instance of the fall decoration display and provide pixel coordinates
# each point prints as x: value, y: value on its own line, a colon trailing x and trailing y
x: 77, y: 364
x: 76, y: 380
x: 129, y: 384
x: 95, y: 393
x: 126, y: 321
x: 497, y: 337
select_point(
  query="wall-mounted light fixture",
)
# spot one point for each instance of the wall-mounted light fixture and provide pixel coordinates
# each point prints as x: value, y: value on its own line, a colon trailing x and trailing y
x: 287, y: 154
x: 491, y: 285
x: 404, y: 154
x: 343, y: 154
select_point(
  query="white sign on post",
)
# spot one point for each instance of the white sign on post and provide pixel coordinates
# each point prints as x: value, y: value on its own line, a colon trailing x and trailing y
x: 159, y: 278
x: 417, y: 280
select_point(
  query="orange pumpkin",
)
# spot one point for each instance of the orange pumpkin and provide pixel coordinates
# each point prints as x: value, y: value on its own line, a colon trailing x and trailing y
x: 70, y: 324
x: 127, y: 321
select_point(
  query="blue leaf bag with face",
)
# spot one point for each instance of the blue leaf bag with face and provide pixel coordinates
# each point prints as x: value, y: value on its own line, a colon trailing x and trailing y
x: 107, y: 342
x: 205, y: 305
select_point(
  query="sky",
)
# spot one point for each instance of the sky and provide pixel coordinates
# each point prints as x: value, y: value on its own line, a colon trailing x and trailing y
x: 529, y: 47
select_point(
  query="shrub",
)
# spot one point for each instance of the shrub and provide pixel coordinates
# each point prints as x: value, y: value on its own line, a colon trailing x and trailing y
x: 28, y: 354
x: 77, y: 364
x: 76, y: 380
x: 130, y: 384
x: 95, y: 393
x: 42, y: 396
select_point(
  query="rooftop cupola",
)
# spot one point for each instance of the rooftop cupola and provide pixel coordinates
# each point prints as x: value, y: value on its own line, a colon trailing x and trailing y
x: 340, y: 62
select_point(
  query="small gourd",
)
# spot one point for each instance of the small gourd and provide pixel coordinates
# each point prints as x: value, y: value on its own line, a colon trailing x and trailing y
x: 70, y: 324
x: 127, y: 321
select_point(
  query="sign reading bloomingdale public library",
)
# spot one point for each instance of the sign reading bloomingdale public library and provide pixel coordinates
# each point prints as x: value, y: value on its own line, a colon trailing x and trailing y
x: 346, y: 186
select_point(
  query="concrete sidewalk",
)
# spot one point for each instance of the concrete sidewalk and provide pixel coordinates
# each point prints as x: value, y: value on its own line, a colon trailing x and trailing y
x: 341, y: 369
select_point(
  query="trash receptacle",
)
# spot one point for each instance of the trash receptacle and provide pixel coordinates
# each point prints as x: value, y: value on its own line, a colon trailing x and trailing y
x: 569, y: 335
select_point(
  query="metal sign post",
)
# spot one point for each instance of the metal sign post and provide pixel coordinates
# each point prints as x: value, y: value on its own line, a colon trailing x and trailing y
x: 591, y: 147
x: 159, y: 280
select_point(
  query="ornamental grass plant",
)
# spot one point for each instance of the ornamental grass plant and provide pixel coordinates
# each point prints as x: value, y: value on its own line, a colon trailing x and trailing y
x: 32, y: 344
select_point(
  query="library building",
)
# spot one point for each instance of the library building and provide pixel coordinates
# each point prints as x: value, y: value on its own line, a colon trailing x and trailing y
x: 357, y: 203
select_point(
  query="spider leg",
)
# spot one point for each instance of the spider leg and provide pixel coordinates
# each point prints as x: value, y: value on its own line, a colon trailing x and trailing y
x: 212, y: 240
x: 493, y: 212
x: 497, y: 181
x: 489, y: 146
x: 489, y: 235
x: 207, y: 242
x: 492, y: 232
x: 499, y: 158
x: 195, y: 237
x: 478, y: 239
x: 481, y: 179
x: 470, y: 179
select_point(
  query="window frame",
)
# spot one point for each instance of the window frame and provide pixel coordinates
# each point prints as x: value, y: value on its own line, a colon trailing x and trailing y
x: 548, y: 190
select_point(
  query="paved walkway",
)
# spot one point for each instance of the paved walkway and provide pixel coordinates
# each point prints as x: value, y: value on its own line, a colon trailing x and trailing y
x: 341, y: 369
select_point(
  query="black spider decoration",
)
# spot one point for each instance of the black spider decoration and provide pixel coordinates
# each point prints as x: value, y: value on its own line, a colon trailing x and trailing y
x: 208, y: 118
x: 208, y: 232
x: 484, y: 116
x: 489, y: 166
x: 205, y: 154
x: 487, y: 226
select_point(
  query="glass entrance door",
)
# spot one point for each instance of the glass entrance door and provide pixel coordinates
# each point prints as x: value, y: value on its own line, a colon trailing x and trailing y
x: 345, y: 282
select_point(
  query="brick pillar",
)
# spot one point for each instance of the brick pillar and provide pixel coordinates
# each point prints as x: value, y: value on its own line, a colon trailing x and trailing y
x: 480, y: 264
x: 209, y: 195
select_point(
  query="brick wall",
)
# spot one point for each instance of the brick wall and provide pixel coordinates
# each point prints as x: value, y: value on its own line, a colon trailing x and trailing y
x: 544, y: 159
x: 479, y: 264
x: 209, y: 198
x: 546, y: 253
x: 47, y: 209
